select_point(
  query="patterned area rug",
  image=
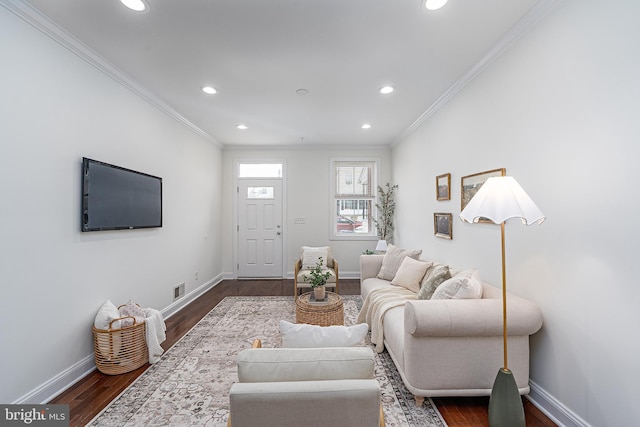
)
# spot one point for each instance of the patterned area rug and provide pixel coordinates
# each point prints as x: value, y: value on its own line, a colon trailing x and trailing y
x: 189, y: 385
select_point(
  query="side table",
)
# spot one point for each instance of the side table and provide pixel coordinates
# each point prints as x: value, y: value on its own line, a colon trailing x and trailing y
x: 322, y: 314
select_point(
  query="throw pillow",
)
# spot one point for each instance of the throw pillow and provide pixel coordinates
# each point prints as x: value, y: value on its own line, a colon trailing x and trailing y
x: 392, y: 260
x: 464, y: 285
x: 300, y: 335
x: 410, y: 273
x: 310, y: 258
x: 327, y: 257
x: 134, y: 310
x: 106, y: 313
x: 432, y: 279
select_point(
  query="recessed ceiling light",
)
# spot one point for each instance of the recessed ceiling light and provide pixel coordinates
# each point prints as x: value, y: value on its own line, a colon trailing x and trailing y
x: 366, y: 126
x: 242, y: 127
x: 210, y: 90
x: 137, y: 5
x: 433, y: 4
x: 387, y: 89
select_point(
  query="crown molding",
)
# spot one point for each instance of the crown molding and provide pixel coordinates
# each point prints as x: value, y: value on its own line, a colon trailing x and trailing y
x: 314, y: 147
x: 526, y: 23
x: 42, y: 23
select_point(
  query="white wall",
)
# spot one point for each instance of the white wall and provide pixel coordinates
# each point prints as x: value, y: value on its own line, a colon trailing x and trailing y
x: 559, y: 112
x: 55, y: 108
x: 307, y: 187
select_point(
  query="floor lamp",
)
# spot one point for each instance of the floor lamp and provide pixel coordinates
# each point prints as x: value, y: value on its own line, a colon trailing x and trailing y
x: 498, y: 200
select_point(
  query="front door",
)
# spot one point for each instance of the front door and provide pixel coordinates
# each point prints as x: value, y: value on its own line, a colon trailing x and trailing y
x: 259, y: 227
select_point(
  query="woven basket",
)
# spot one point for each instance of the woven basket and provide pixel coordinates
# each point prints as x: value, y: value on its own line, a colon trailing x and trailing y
x: 330, y: 313
x: 120, y: 350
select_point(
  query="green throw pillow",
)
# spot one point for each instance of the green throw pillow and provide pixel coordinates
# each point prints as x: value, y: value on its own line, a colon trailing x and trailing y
x: 434, y: 277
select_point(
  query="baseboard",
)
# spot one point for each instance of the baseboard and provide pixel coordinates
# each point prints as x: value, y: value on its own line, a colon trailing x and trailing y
x: 343, y: 275
x: 190, y: 297
x: 56, y: 385
x: 553, y: 408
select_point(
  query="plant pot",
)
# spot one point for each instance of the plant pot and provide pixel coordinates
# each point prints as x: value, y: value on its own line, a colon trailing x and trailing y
x: 319, y: 292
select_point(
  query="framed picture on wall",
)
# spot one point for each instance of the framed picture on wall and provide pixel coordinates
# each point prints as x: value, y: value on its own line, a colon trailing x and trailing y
x: 470, y: 185
x: 442, y: 225
x: 443, y: 187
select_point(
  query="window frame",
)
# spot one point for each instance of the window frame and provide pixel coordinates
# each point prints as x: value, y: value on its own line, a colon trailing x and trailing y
x: 334, y: 197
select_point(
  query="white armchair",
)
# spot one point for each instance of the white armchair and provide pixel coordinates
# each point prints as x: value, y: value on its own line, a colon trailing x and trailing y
x: 306, y: 386
x: 308, y: 258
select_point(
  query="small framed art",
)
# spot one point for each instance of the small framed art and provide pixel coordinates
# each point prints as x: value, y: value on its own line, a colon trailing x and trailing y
x: 442, y: 225
x: 470, y: 184
x: 443, y: 187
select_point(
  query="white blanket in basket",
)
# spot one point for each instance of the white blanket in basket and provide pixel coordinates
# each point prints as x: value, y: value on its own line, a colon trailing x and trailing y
x: 156, y: 335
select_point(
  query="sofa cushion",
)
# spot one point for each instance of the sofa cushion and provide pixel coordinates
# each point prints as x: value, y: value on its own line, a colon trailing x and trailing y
x: 432, y: 279
x: 370, y: 284
x: 392, y: 260
x: 464, y: 285
x: 301, y: 335
x: 410, y: 273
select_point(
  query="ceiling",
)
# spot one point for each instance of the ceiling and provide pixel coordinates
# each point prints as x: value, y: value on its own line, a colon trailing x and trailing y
x: 258, y: 53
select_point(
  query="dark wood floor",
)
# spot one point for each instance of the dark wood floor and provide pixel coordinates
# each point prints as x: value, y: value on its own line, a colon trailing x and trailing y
x: 90, y: 395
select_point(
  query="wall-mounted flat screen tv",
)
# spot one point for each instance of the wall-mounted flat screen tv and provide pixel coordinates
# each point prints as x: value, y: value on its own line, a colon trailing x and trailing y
x: 116, y: 198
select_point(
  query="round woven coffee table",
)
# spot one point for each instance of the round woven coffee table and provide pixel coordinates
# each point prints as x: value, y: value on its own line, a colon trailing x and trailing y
x: 322, y: 314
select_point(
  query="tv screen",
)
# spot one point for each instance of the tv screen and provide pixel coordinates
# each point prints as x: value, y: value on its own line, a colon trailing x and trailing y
x: 115, y: 198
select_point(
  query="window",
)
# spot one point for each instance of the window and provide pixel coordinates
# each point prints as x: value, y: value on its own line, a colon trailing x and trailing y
x: 353, y: 193
x: 260, y: 170
x: 260, y: 193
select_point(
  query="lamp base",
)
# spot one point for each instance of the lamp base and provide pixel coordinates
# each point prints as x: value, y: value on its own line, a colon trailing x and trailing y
x: 505, y: 403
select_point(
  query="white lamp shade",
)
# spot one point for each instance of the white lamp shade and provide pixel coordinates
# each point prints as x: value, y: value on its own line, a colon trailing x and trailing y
x: 381, y: 246
x: 500, y: 199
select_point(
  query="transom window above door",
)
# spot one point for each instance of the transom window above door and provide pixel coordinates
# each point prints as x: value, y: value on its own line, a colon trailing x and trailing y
x: 260, y: 170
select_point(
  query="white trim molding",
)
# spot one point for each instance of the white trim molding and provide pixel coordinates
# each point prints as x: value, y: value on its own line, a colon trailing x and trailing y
x: 528, y: 21
x: 45, y: 392
x: 42, y: 23
x: 553, y: 408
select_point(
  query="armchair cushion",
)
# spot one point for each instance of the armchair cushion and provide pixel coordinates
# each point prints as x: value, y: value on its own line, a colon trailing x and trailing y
x: 353, y: 403
x: 306, y: 386
x: 309, y: 256
x: 305, y: 364
x: 300, y: 335
x: 300, y: 277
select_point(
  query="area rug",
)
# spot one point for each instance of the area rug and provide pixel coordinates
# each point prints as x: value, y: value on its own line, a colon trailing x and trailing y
x: 189, y: 385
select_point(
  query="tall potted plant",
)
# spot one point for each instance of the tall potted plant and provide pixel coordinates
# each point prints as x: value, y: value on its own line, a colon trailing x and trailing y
x: 386, y: 210
x: 317, y: 278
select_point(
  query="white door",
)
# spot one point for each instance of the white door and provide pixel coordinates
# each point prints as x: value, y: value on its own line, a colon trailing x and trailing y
x: 259, y: 228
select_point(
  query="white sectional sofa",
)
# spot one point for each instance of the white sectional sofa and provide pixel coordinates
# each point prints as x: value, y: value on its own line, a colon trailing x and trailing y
x: 453, y: 347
